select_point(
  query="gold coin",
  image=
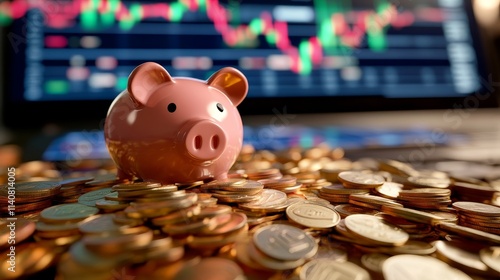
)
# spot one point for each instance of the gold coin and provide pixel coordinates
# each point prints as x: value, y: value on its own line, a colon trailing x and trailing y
x: 429, y: 182
x: 226, y: 184
x: 372, y: 201
x: 268, y: 198
x: 136, y: 186
x: 33, y: 190
x: 390, y: 190
x: 269, y: 262
x: 412, y: 215
x: 181, y: 215
x: 67, y: 213
x: 190, y: 226
x: 347, y: 209
x: 376, y: 229
x: 286, y: 243
x: 425, y: 192
x: 491, y: 257
x: 236, y: 221
x: 312, y: 215
x: 477, y: 208
x: 110, y: 205
x: 339, y: 189
x: 469, y: 232
x: 357, y: 179
x: 398, y: 168
x: 413, y: 267
x: 322, y: 269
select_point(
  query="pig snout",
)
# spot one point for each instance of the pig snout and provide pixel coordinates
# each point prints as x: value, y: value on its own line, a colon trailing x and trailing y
x: 205, y: 140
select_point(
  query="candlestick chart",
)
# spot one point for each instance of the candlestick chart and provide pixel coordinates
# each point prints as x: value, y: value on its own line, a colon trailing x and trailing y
x: 273, y: 41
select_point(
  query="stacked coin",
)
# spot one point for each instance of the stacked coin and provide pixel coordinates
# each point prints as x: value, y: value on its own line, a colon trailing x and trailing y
x: 270, y: 206
x: 60, y: 223
x: 312, y: 215
x: 360, y: 180
x: 277, y: 247
x: 271, y: 173
x: 233, y: 190
x: 372, y: 201
x: 425, y: 198
x: 101, y: 181
x: 473, y: 192
x: 428, y: 182
x: 71, y: 189
x: 369, y: 230
x: 286, y: 184
x: 27, y: 196
x: 312, y: 184
x: 337, y: 193
x: 479, y: 216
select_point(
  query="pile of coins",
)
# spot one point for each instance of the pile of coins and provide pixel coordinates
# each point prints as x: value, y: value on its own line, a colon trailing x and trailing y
x: 293, y: 214
x: 479, y: 216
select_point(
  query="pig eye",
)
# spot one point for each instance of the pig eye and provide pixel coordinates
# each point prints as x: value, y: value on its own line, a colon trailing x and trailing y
x: 171, y: 107
x: 219, y: 107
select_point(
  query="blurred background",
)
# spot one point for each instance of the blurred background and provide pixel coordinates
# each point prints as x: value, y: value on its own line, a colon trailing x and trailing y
x: 410, y: 80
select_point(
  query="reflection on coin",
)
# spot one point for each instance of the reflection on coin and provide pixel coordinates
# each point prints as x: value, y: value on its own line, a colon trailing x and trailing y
x: 376, y: 229
x: 312, y: 215
x: 411, y: 267
x: 67, y: 212
x: 285, y: 242
x: 322, y: 269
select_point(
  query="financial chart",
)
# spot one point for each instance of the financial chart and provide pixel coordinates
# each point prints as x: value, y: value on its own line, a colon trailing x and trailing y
x: 85, y: 49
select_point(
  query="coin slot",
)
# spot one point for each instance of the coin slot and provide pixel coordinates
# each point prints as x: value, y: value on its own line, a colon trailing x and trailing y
x: 215, y: 142
x: 197, y: 142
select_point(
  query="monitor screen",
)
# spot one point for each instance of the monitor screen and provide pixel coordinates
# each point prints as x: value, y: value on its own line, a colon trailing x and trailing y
x: 74, y: 57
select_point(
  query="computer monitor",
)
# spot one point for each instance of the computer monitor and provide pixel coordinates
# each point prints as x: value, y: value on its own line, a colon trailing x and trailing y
x: 65, y: 61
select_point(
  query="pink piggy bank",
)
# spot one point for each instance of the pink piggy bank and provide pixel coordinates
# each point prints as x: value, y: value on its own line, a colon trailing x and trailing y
x: 174, y: 129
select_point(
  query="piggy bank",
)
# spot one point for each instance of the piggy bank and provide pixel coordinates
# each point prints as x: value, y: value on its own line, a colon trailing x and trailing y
x: 176, y: 129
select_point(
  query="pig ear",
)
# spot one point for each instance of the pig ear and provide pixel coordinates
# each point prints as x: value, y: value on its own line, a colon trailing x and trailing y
x: 232, y: 82
x: 144, y: 79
